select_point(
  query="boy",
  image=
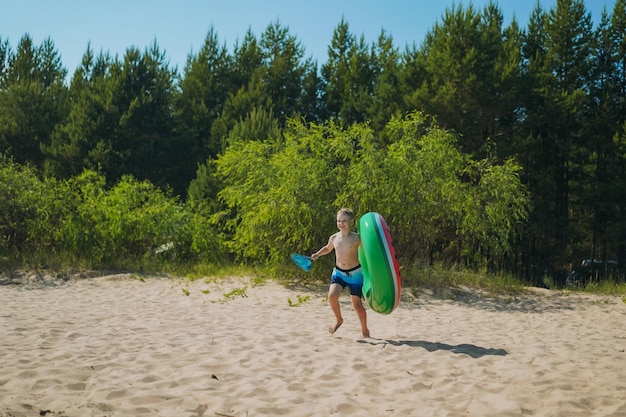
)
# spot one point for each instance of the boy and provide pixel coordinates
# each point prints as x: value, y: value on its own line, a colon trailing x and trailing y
x: 347, y: 271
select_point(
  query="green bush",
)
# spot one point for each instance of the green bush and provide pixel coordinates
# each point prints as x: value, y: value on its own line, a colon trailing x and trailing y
x: 283, y: 195
x: 135, y: 221
x: 80, y: 222
x: 20, y: 195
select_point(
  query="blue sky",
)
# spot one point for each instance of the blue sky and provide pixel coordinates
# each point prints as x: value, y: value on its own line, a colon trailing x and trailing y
x: 180, y: 27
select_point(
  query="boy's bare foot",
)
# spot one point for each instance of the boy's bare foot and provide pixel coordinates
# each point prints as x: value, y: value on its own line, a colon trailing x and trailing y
x: 366, y: 333
x: 333, y: 329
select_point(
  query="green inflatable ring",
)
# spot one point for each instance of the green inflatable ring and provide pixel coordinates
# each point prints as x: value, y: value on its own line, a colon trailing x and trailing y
x: 382, y: 285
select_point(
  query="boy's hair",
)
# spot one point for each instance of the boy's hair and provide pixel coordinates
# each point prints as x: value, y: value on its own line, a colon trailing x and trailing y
x: 346, y: 212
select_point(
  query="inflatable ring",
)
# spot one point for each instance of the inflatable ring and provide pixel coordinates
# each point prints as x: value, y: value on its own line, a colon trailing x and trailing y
x: 382, y: 286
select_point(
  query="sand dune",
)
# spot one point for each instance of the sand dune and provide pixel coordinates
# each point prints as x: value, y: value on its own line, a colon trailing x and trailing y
x: 122, y: 346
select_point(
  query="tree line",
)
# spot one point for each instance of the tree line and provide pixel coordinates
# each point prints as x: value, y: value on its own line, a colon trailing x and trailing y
x: 545, y: 104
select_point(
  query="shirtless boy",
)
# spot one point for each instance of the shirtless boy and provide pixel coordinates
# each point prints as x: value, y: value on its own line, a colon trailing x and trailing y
x: 347, y: 271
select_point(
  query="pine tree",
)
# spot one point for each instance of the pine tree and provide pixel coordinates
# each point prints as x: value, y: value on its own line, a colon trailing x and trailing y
x: 348, y: 77
x: 78, y: 142
x: 33, y: 99
x: 557, y: 51
x: 285, y: 70
x: 204, y: 87
x: 460, y: 72
x: 387, y: 92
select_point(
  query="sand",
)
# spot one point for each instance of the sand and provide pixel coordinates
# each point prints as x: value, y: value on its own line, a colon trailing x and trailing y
x: 124, y: 345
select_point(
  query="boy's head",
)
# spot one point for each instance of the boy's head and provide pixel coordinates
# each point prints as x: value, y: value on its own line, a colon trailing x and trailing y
x: 346, y: 212
x: 345, y: 219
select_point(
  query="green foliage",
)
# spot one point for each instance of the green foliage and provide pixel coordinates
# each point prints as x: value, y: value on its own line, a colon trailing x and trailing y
x: 204, y: 88
x: 556, y: 146
x: 133, y: 220
x: 202, y: 192
x: 279, y: 192
x: 300, y: 300
x: 82, y: 141
x: 285, y: 70
x: 548, y: 94
x: 79, y: 221
x: 238, y: 106
x: 120, y: 121
x: 20, y: 192
x: 349, y: 77
x: 284, y: 194
x: 33, y: 100
x: 467, y: 70
x: 606, y: 287
x: 434, y: 197
x: 235, y: 293
x: 259, y: 124
x: 387, y: 92
x: 129, y: 221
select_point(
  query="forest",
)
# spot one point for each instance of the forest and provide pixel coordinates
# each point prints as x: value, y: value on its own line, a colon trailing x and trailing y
x: 492, y: 147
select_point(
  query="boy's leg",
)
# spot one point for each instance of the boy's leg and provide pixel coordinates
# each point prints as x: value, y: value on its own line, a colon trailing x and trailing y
x: 360, y: 311
x: 333, y: 299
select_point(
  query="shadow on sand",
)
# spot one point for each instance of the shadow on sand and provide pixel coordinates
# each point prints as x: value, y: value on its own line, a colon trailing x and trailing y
x: 465, y: 348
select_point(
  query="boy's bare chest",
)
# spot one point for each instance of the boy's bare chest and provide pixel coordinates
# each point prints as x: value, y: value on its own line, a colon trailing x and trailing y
x: 345, y: 243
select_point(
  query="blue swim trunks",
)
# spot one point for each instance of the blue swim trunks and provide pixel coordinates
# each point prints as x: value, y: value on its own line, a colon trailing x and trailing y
x: 351, y: 278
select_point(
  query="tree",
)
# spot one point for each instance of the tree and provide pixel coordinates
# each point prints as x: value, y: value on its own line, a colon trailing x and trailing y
x: 33, y: 99
x: 440, y: 203
x: 618, y: 52
x: 387, y: 91
x: 207, y: 82
x: 460, y: 73
x: 557, y: 54
x: 258, y: 125
x: 348, y: 77
x: 142, y: 91
x: 311, y: 106
x: 510, y: 113
x: 82, y: 139
x: 335, y: 71
x: 272, y: 189
x: 248, y: 90
x: 237, y: 106
x: 6, y: 57
x: 121, y: 120
x: 598, y: 209
x: 248, y: 59
x: 285, y: 70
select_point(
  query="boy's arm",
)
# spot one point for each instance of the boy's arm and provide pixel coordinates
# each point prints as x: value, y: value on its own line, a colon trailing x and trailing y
x: 328, y: 248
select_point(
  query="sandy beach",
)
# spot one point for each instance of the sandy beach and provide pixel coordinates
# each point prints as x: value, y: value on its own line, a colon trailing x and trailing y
x: 124, y: 345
